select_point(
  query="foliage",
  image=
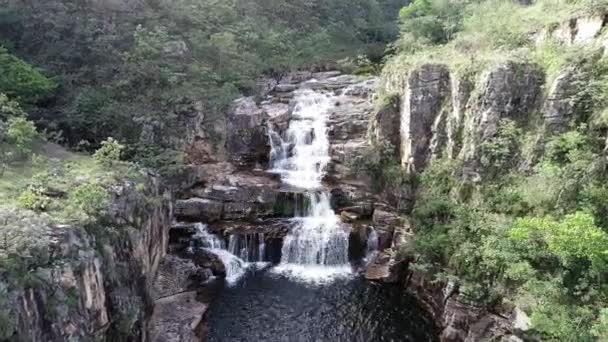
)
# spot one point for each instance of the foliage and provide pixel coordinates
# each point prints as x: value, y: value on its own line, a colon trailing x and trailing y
x: 500, y: 152
x: 378, y: 161
x: 133, y: 70
x: 89, y: 198
x: 431, y: 22
x: 21, y: 133
x: 21, y: 81
x: 9, y: 108
x: 109, y: 153
x: 33, y: 198
x: 537, y: 240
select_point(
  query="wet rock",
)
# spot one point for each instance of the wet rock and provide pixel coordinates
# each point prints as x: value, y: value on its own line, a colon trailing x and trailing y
x: 349, y: 216
x: 380, y: 267
x: 385, y: 223
x: 205, y: 259
x: 325, y: 74
x: 177, y: 275
x: 247, y: 143
x: 423, y: 104
x: 285, y: 88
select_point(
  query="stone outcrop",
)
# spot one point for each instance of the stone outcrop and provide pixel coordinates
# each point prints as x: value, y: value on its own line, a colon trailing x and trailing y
x: 247, y: 144
x: 508, y: 90
x: 580, y: 30
x: 562, y: 102
x: 423, y: 109
x: 93, y: 287
x: 385, y: 124
x: 232, y: 196
x: 460, y: 320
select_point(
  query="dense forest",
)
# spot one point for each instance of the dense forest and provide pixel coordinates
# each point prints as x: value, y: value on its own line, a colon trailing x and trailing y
x: 112, y: 79
x: 120, y: 68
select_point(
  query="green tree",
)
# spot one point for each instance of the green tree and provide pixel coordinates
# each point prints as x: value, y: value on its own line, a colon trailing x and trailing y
x: 21, y: 81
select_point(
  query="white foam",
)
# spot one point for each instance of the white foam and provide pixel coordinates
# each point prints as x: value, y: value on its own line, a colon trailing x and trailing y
x: 313, y: 274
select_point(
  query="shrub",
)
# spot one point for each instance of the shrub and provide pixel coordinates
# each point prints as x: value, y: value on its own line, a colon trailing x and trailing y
x: 33, y: 198
x: 9, y: 108
x: 90, y: 198
x: 109, y: 153
x: 20, y: 80
x: 21, y: 133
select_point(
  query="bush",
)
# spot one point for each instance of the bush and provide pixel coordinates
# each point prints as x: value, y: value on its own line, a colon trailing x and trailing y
x: 9, y: 108
x: 21, y: 133
x: 109, y: 153
x: 90, y: 198
x: 20, y: 80
x: 33, y: 198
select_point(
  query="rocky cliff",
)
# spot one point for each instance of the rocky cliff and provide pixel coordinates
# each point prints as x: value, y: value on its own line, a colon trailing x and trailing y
x: 90, y: 282
x: 445, y: 111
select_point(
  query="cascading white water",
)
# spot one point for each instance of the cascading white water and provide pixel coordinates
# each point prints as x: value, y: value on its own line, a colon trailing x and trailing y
x: 373, y: 241
x: 249, y: 247
x: 235, y: 267
x: 317, y: 244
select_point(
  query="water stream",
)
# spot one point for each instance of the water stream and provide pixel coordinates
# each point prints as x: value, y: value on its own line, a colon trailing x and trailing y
x: 317, y: 245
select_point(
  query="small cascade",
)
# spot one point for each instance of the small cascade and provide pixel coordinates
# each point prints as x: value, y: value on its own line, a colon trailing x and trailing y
x: 202, y: 238
x: 235, y: 266
x: 373, y: 241
x: 317, y: 245
x: 249, y: 247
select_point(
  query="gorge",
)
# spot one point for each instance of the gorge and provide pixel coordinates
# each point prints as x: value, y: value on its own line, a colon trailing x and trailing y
x: 319, y: 170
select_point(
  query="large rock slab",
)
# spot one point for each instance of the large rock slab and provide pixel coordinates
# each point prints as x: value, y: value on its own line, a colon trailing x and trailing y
x: 423, y: 104
x: 178, y: 318
x: 247, y: 143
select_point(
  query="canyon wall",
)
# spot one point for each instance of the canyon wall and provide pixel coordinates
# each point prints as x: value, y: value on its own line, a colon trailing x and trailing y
x: 96, y: 282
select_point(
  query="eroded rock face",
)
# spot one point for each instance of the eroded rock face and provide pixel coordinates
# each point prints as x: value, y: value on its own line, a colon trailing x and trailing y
x: 508, y: 90
x: 385, y: 124
x: 247, y: 144
x: 581, y: 30
x: 423, y: 107
x: 561, y: 103
x: 95, y: 290
x: 232, y: 196
x: 460, y: 320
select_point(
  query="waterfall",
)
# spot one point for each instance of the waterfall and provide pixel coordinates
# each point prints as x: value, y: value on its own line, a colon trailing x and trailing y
x: 373, y: 241
x: 317, y: 245
x: 235, y: 266
x: 249, y: 247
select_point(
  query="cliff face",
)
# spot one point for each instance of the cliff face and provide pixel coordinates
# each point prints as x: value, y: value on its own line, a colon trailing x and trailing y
x: 448, y: 112
x: 96, y: 283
